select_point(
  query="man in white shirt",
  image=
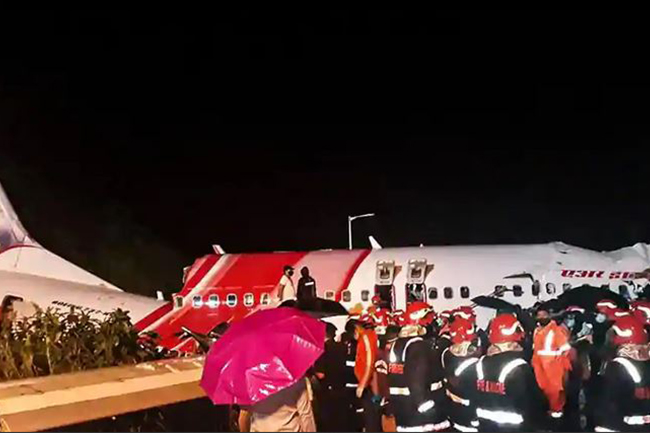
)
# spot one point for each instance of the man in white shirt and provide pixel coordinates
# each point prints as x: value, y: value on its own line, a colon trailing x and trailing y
x: 286, y: 289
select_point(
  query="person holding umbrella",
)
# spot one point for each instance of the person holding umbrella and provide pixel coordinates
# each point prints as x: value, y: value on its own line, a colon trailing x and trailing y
x: 261, y: 363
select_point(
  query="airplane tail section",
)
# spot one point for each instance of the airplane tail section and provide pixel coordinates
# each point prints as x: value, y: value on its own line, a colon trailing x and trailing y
x: 12, y: 232
x: 19, y: 252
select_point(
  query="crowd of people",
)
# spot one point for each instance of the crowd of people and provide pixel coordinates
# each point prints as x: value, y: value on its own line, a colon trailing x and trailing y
x: 538, y: 369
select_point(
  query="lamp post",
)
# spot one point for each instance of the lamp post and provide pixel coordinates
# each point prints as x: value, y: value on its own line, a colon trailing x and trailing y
x: 352, y: 218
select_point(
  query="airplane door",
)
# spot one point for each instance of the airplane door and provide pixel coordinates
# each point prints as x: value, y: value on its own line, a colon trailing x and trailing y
x: 384, y: 287
x: 415, y: 287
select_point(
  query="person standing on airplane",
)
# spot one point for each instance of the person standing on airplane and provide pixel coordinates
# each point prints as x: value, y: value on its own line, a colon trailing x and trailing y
x: 306, y: 287
x: 286, y: 289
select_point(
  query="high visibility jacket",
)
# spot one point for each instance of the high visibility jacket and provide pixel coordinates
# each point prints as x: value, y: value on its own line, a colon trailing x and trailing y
x: 507, y: 397
x: 624, y: 403
x: 410, y: 387
x: 552, y: 363
x: 460, y: 379
x: 367, y: 345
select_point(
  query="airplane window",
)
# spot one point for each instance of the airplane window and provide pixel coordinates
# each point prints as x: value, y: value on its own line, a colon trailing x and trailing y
x: 433, y: 293
x: 179, y: 301
x: 449, y: 292
x: 329, y: 294
x: 566, y: 286
x: 347, y: 296
x: 265, y: 299
x: 213, y: 301
x: 249, y: 300
x: 231, y: 300
x: 197, y: 301
x: 550, y: 288
x: 535, y: 288
x: 517, y: 290
x: 499, y: 291
x: 464, y: 292
x: 365, y: 295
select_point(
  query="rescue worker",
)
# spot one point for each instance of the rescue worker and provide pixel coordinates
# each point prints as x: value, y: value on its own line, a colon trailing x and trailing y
x: 409, y: 375
x: 364, y: 370
x: 506, y: 394
x: 456, y: 361
x: 354, y: 409
x: 330, y: 371
x: 626, y: 404
x: 306, y: 288
x: 551, y: 362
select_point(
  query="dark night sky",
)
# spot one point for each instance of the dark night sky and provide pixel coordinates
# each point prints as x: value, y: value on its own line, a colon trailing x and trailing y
x: 262, y: 130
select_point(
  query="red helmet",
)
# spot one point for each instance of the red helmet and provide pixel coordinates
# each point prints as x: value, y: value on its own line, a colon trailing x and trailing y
x: 366, y: 319
x: 461, y: 330
x: 466, y: 312
x: 505, y: 328
x: 641, y: 310
x: 605, y: 306
x: 376, y: 300
x: 399, y: 317
x: 618, y: 313
x: 629, y: 330
x: 574, y: 309
x: 419, y: 313
x: 382, y: 319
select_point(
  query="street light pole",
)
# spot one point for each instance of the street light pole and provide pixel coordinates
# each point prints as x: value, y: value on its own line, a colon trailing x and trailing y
x: 352, y: 218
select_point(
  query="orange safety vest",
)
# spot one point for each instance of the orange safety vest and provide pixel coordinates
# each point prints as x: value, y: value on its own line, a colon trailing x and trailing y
x: 551, y: 362
x: 367, y: 343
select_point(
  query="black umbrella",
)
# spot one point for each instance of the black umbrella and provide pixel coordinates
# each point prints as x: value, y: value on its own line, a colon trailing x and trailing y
x: 587, y: 297
x: 494, y: 303
x: 318, y: 307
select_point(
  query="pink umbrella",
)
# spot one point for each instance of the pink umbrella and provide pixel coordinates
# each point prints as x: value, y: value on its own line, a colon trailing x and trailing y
x: 261, y: 355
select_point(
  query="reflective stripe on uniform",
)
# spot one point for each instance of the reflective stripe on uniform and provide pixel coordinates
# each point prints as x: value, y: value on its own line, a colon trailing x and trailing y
x: 399, y: 391
x: 500, y: 416
x: 425, y: 427
x: 509, y: 367
x: 479, y: 368
x: 463, y: 428
x: 556, y: 415
x: 351, y: 385
x: 631, y: 369
x: 548, y: 344
x: 603, y: 429
x: 457, y: 399
x: 435, y: 386
x: 637, y: 419
x: 350, y: 363
x: 463, y: 366
x: 426, y: 406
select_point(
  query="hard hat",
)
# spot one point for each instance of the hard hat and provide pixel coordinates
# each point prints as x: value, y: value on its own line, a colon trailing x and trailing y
x: 466, y: 312
x: 419, y: 313
x: 505, y: 328
x: 376, y: 300
x: 399, y: 317
x: 641, y: 310
x: 461, y: 330
x: 574, y: 309
x: 606, y: 305
x: 382, y: 319
x: 629, y: 330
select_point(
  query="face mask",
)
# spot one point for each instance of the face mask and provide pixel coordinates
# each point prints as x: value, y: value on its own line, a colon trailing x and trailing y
x: 600, y: 318
x: 543, y: 322
x: 290, y: 273
x: 570, y: 323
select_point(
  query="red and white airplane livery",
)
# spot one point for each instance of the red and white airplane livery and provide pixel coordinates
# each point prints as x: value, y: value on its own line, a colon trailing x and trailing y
x: 222, y: 287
